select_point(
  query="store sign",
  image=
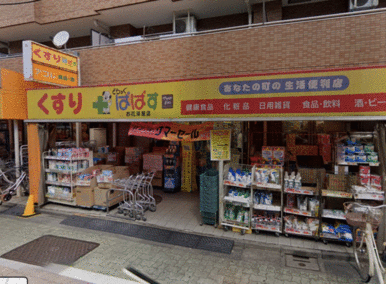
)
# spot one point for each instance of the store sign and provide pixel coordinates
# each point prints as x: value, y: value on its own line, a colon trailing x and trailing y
x: 48, y: 65
x: 172, y: 131
x: 220, y: 145
x: 343, y: 92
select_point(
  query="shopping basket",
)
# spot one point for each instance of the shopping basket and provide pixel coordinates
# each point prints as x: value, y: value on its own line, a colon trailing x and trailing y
x: 357, y: 215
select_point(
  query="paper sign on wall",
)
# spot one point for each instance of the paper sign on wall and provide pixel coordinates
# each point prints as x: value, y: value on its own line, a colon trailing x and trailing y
x: 220, y: 145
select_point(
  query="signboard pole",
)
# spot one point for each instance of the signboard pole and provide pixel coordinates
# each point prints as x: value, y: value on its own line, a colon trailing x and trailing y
x: 17, y: 154
x: 78, y: 134
x: 221, y: 191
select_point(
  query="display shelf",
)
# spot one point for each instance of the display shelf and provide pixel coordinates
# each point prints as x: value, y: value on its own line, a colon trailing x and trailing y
x: 302, y: 190
x: 337, y: 194
x: 170, y: 167
x: 235, y: 224
x: 330, y: 237
x: 235, y: 200
x: 170, y: 156
x: 60, y: 183
x: 276, y: 208
x: 357, y: 164
x: 276, y: 229
x: 267, y: 185
x: 298, y: 212
x: 237, y: 184
x: 63, y: 172
x: 327, y: 214
x: 66, y: 158
x: 61, y: 200
x: 369, y: 196
x: 298, y: 232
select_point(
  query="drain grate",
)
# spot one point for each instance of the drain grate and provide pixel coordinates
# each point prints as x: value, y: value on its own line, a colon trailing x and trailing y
x: 152, y: 234
x: 302, y: 262
x: 50, y: 249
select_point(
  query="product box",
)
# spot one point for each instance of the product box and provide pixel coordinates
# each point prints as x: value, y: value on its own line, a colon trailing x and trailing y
x: 273, y: 155
x: 153, y: 161
x: 376, y: 181
x: 88, y: 176
x: 364, y: 170
x: 267, y: 154
x: 372, y: 158
x: 350, y: 158
x: 369, y: 148
x: 100, y: 198
x: 359, y: 149
x: 365, y: 179
x: 84, y: 196
x: 157, y: 182
x: 106, y: 178
x: 360, y: 158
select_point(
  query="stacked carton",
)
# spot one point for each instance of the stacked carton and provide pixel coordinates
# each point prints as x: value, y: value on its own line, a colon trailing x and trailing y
x: 133, y: 159
x: 86, y: 182
x: 94, y: 183
x: 153, y: 162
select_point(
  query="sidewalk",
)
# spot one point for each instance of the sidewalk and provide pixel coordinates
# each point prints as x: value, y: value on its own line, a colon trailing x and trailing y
x: 248, y: 262
x: 179, y: 212
x: 54, y: 274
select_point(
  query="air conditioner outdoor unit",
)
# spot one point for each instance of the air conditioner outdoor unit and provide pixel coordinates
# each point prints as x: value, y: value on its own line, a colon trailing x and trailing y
x: 356, y: 5
x: 185, y: 25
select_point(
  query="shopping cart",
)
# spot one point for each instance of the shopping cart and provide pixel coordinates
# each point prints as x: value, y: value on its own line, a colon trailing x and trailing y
x: 145, y: 193
x: 131, y: 204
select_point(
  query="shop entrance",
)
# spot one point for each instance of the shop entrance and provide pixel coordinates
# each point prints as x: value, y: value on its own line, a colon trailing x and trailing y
x: 319, y: 165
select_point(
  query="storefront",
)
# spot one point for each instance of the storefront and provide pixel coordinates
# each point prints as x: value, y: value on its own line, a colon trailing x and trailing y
x: 13, y: 110
x: 304, y: 116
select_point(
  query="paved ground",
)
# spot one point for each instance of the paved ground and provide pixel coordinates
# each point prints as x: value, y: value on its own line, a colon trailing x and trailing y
x: 248, y: 263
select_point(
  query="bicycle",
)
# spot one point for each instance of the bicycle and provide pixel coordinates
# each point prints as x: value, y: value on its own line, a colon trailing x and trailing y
x: 366, y: 218
x: 8, y: 185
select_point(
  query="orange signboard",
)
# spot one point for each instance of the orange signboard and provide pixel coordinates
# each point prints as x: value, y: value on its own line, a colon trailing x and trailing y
x: 13, y: 94
x: 55, y: 76
x: 51, y: 57
x: 48, y: 65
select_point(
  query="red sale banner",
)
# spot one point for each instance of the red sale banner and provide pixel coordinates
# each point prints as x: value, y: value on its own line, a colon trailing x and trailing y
x: 172, y: 131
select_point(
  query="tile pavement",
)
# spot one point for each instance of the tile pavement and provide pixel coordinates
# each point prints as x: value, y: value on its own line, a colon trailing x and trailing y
x: 255, y: 258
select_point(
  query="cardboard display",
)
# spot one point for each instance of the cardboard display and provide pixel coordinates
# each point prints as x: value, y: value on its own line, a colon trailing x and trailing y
x: 115, y: 196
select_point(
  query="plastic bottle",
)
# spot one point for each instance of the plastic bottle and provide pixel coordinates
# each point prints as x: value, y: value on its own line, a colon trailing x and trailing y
x: 286, y: 180
x: 298, y: 181
x: 291, y: 180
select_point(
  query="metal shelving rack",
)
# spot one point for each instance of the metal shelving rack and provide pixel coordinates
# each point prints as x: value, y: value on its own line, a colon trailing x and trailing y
x: 68, y: 199
x: 225, y: 199
x: 342, y: 195
x: 308, y: 191
x: 277, y: 205
x: 347, y: 195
